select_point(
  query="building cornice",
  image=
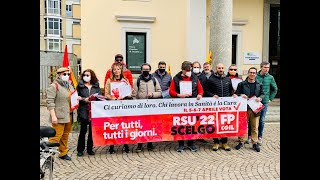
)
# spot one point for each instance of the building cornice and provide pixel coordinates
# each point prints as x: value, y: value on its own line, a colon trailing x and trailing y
x: 135, y: 18
x: 239, y: 22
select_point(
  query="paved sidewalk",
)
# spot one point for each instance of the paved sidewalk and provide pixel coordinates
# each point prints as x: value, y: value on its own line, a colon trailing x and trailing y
x: 166, y: 163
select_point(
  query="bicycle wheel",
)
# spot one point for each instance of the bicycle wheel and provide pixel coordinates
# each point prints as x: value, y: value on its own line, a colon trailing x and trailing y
x: 47, y: 169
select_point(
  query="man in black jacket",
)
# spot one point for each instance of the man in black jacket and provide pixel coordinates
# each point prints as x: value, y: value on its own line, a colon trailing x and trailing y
x: 219, y: 85
x: 247, y: 89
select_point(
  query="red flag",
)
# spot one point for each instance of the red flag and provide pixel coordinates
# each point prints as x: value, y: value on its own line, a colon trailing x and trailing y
x: 65, y: 63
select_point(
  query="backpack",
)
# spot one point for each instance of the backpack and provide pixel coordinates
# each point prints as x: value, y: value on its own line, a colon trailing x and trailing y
x: 153, y: 79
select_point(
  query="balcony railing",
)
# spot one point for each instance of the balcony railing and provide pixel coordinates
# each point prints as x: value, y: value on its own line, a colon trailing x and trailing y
x: 53, y: 11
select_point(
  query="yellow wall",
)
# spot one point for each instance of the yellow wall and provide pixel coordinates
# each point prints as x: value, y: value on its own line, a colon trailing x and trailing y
x: 101, y: 36
x: 252, y: 36
x: 76, y: 31
x: 76, y: 11
x: 101, y: 32
x: 41, y: 26
x: 77, y: 50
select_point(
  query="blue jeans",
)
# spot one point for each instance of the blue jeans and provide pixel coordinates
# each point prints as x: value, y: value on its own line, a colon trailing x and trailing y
x: 261, y: 121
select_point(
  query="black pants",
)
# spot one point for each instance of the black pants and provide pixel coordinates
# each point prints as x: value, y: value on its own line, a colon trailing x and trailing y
x: 223, y: 140
x: 82, y: 136
x: 189, y: 142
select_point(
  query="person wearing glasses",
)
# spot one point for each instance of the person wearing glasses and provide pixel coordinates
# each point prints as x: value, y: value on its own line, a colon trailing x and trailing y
x: 232, y: 72
x: 164, y: 78
x: 146, y: 90
x: 126, y: 72
x: 58, y: 105
x: 219, y: 85
x: 87, y: 85
x: 248, y: 88
x: 197, y: 92
x: 234, y: 76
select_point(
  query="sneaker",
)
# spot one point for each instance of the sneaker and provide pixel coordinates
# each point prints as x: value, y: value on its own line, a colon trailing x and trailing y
x: 180, y: 149
x: 260, y: 140
x: 215, y: 146
x: 79, y: 154
x: 139, y: 149
x: 91, y: 153
x: 256, y: 147
x: 239, y: 146
x: 65, y: 157
x: 193, y: 148
x: 126, y: 148
x: 226, y: 147
x: 249, y: 140
x: 151, y: 148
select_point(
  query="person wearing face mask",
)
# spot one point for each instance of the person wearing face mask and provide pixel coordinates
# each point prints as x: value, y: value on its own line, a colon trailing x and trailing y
x: 164, y: 78
x: 219, y: 85
x: 197, y: 92
x: 146, y: 90
x: 87, y: 85
x: 196, y: 69
x: 59, y: 107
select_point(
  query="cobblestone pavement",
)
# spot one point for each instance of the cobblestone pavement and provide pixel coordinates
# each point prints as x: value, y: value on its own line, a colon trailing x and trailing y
x: 166, y: 163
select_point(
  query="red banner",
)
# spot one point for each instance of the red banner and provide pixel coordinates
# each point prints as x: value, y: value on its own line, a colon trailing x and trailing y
x: 153, y: 120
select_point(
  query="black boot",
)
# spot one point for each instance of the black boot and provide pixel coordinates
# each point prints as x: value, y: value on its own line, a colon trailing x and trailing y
x: 111, y: 149
x: 150, y: 147
x: 126, y: 148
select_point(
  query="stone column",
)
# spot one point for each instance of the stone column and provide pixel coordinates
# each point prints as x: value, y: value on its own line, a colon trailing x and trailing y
x: 221, y: 32
x: 266, y: 25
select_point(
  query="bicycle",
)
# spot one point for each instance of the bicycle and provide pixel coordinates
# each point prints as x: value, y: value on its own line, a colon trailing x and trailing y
x: 48, y: 152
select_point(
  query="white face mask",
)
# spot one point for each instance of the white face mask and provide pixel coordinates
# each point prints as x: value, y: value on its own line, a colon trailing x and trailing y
x: 188, y: 73
x: 86, y: 78
x: 65, y: 78
x: 196, y: 70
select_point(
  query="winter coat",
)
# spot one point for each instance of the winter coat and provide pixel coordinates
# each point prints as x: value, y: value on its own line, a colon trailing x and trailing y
x: 83, y: 91
x: 177, y: 78
x: 202, y: 77
x: 218, y: 85
x: 269, y: 86
x: 58, y: 98
x: 244, y: 88
x: 164, y: 80
x: 146, y: 87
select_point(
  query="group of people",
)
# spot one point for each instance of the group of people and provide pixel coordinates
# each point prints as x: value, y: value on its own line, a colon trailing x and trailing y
x: 159, y: 84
